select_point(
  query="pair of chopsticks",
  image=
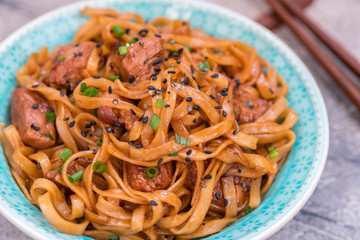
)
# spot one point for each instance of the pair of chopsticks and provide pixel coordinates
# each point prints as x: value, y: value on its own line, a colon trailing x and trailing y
x: 291, y: 14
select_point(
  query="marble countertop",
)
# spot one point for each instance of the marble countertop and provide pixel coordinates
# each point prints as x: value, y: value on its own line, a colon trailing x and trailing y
x: 333, y: 211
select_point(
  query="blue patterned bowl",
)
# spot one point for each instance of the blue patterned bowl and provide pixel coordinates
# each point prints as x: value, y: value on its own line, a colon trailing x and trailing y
x: 296, y: 180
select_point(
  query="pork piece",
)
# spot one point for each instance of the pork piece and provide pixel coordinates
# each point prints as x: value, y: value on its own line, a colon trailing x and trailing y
x: 28, y: 115
x: 113, y: 116
x: 248, y: 107
x: 217, y: 194
x: 139, y: 62
x: 138, y: 180
x: 78, y: 164
x: 68, y: 71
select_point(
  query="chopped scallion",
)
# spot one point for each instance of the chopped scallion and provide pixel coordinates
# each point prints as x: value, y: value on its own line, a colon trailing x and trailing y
x: 114, y: 77
x: 61, y: 58
x: 249, y: 104
x: 132, y: 41
x: 119, y: 32
x: 182, y: 140
x: 272, y: 148
x: 99, y: 167
x: 83, y: 87
x: 151, y: 172
x: 154, y: 121
x: 65, y: 154
x: 123, y: 50
x: 188, y: 48
x: 91, y: 92
x: 273, y: 154
x: 204, y: 66
x: 173, y: 153
x: 114, y: 237
x: 235, y: 112
x: 50, y: 116
x: 99, y: 141
x: 49, y: 136
x: 247, y: 210
x: 160, y: 102
x: 76, y: 176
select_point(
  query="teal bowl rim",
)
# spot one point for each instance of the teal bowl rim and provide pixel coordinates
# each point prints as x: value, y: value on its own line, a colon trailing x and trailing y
x: 309, y: 185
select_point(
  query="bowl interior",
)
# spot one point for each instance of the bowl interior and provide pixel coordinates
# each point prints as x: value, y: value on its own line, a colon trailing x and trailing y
x: 296, y: 180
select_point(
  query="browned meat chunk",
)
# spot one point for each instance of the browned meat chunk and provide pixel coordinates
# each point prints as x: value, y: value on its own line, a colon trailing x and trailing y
x: 217, y: 194
x: 139, y: 60
x: 248, y: 107
x: 115, y: 116
x: 78, y: 164
x: 139, y: 181
x: 68, y: 71
x: 28, y: 115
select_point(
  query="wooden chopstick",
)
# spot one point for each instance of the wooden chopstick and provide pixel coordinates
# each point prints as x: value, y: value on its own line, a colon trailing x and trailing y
x: 339, y: 51
x: 319, y: 53
x: 271, y: 20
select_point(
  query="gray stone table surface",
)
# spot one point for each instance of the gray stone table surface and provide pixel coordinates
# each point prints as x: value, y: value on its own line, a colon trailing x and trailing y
x: 333, y: 211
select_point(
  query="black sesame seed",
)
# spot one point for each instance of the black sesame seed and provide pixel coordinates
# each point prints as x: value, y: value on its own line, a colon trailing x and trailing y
x: 167, y: 105
x: 62, y: 93
x: 248, y: 188
x: 35, y: 106
x: 65, y: 75
x: 160, y: 161
x: 38, y: 166
x: 157, y: 61
x: 226, y: 202
x: 178, y: 61
x: 117, y: 124
x: 87, y: 148
x: 145, y: 119
x: 141, y: 43
x: 141, y: 118
x: 203, y: 224
x: 215, y: 75
x: 224, y: 94
x: 165, y: 80
x: 80, y: 53
x: 224, y: 113
x: 195, y: 120
x: 208, y: 152
x: 65, y: 119
x: 212, y: 96
x: 186, y: 81
x: 131, y: 79
x: 187, y: 159
x: 172, y: 72
x: 166, y: 59
x: 154, y: 78
x: 34, y: 127
x: 132, y: 111
x: 35, y: 85
x: 151, y: 88
x: 208, y: 176
x: 217, y: 195
x: 109, y: 129
x: 138, y: 145
x: 224, y: 89
x: 93, y: 123
x: 236, y: 131
x: 272, y: 91
x: 218, y: 107
x: 176, y: 55
x: 189, y: 99
x: 131, y: 143
x: 110, y: 89
x: 168, y: 92
x: 51, y: 109
x: 238, y: 83
x: 157, y: 35
x: 240, y: 170
x: 202, y: 185
x: 158, y: 91
x: 157, y: 69
x: 88, y: 125
x: 83, y: 134
x: 99, y: 44
x: 95, y: 151
x: 196, y: 107
x: 71, y: 124
x: 189, y: 152
x: 153, y: 203
x: 143, y: 32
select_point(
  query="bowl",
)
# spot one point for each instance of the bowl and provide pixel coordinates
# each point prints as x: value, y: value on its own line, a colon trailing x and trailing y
x: 298, y: 177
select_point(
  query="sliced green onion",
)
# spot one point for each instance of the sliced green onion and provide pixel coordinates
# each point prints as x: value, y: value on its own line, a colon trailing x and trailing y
x: 76, y: 176
x: 60, y: 169
x: 123, y: 50
x: 247, y: 210
x: 65, y: 154
x: 114, y: 237
x: 132, y: 41
x: 49, y: 136
x: 160, y: 102
x: 272, y: 148
x: 114, y: 77
x: 72, y: 100
x: 235, y: 112
x: 204, y: 66
x: 61, y: 58
x: 80, y: 219
x: 154, y: 122
x: 83, y: 87
x: 119, y: 32
x: 99, y: 167
x: 91, y: 92
x: 50, y: 116
x: 188, y: 48
x: 249, y: 104
x: 273, y: 154
x: 99, y: 141
x: 151, y: 172
x: 218, y: 52
x: 173, y: 153
x: 182, y: 140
